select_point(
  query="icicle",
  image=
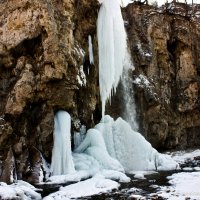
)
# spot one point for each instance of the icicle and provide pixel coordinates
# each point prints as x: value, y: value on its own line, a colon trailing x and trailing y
x: 62, y: 162
x: 90, y: 49
x: 112, y: 48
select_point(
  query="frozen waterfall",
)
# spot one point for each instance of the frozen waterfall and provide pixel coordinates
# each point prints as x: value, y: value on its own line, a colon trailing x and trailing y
x: 130, y: 148
x: 110, y: 145
x: 117, y: 147
x: 62, y: 162
x: 94, y: 146
x: 112, y: 48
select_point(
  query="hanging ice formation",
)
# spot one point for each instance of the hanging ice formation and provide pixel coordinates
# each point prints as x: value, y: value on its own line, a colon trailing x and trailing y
x: 62, y: 162
x: 112, y: 48
x: 90, y: 49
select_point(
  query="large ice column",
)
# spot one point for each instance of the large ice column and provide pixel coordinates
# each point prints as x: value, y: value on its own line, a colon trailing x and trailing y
x: 112, y: 48
x: 62, y: 162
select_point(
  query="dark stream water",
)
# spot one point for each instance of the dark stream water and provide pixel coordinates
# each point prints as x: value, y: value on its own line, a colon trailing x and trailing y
x: 145, y: 187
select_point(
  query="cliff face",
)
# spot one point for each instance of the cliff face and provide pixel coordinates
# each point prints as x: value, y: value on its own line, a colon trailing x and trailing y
x: 165, y: 49
x: 44, y: 66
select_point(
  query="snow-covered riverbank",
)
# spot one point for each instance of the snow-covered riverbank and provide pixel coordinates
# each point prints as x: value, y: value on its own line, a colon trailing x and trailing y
x: 180, y: 184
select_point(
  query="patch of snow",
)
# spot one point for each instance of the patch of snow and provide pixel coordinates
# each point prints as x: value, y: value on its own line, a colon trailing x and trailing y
x: 114, y: 175
x: 79, y: 51
x: 139, y: 176
x: 154, y: 186
x: 134, y: 190
x: 19, y: 190
x: 95, y: 185
x: 187, y: 169
x: 136, y: 196
x: 183, y: 185
x: 147, y: 54
x: 197, y: 168
x: 142, y: 52
x: 68, y: 178
x: 143, y: 172
x: 182, y: 156
x: 142, y: 80
x: 81, y: 77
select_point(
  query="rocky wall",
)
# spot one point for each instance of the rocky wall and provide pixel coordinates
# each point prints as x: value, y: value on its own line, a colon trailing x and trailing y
x: 44, y: 66
x: 165, y: 47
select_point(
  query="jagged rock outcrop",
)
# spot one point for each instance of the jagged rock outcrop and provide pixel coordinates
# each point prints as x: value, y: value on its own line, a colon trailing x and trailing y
x: 44, y: 66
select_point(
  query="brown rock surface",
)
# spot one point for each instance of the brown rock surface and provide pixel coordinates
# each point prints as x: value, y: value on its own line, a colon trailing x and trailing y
x: 165, y: 49
x: 43, y: 45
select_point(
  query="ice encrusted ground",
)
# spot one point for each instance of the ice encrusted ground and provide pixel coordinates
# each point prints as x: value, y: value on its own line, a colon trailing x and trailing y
x: 182, y: 184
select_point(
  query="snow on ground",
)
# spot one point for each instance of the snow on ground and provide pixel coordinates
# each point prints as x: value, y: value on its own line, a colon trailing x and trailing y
x: 75, y: 177
x: 184, y: 185
x: 114, y: 175
x: 97, y: 184
x: 19, y: 190
x: 141, y: 174
x: 182, y: 156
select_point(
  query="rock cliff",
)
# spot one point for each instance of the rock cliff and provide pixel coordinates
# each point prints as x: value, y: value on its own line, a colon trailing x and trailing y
x: 165, y: 48
x: 44, y: 66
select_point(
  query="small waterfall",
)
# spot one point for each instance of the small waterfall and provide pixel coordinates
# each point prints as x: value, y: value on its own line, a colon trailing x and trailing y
x: 129, y: 101
x: 112, y: 48
x: 62, y: 162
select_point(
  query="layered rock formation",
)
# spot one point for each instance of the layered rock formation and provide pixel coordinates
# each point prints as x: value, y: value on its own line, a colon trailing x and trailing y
x: 165, y: 49
x: 44, y: 66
